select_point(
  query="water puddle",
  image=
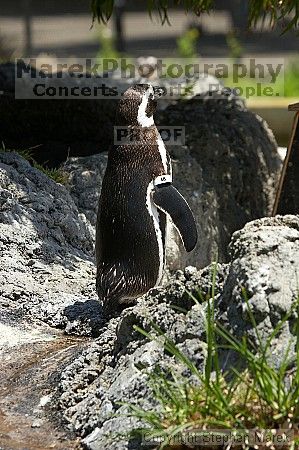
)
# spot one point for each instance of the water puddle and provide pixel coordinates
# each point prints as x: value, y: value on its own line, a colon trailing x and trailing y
x: 27, y: 376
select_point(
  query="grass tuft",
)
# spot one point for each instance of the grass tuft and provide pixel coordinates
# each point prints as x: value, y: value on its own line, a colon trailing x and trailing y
x: 57, y: 175
x: 259, y: 397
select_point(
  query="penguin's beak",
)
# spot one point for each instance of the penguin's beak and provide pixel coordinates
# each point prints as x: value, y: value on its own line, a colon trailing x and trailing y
x: 159, y: 91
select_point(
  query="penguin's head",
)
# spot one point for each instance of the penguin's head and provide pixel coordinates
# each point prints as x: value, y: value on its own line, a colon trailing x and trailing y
x: 138, y: 105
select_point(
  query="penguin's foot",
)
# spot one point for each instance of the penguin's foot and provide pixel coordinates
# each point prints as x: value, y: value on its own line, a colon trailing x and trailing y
x: 113, y: 307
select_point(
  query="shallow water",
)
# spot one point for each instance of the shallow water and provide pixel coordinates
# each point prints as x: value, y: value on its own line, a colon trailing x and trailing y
x: 27, y: 379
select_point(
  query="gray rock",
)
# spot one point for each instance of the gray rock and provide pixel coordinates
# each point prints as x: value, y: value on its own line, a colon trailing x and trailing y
x: 227, y: 171
x: 57, y: 127
x: 120, y: 359
x: 104, y: 438
x: 263, y: 270
x: 46, y: 258
x: 87, y: 126
x: 116, y: 367
x: 85, y: 182
x: 264, y: 258
x: 236, y: 168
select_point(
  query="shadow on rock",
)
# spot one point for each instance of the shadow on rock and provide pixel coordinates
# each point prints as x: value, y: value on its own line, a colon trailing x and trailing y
x: 89, y: 312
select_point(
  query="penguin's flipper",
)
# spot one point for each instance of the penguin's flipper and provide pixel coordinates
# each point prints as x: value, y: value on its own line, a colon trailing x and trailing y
x: 167, y: 198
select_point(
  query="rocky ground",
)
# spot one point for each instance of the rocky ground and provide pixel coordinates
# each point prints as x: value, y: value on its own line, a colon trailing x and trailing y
x: 46, y: 249
x: 114, y: 369
x: 47, y: 282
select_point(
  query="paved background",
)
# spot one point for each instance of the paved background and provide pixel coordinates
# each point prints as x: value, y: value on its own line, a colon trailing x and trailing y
x: 72, y: 35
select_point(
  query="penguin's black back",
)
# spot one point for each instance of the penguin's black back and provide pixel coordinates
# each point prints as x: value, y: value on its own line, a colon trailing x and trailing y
x: 127, y: 248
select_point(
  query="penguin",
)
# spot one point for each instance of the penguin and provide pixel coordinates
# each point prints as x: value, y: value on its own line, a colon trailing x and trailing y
x: 136, y: 197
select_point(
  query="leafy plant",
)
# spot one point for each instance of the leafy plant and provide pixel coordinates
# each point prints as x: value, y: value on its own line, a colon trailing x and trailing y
x: 291, y: 79
x: 259, y: 397
x: 107, y: 45
x: 275, y: 10
x: 286, y: 84
x: 186, y: 44
x: 235, y: 48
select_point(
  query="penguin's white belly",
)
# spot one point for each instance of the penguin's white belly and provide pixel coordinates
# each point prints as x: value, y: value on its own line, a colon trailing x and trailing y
x: 154, y: 214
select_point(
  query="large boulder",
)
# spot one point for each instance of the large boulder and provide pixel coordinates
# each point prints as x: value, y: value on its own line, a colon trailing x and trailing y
x: 54, y: 128
x: 115, y: 367
x: 227, y: 171
x: 264, y: 258
x: 263, y: 276
x: 239, y: 162
x: 46, y: 251
x: 59, y: 127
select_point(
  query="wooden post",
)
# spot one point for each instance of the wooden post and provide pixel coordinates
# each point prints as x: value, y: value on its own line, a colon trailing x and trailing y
x: 287, y: 196
x: 119, y: 7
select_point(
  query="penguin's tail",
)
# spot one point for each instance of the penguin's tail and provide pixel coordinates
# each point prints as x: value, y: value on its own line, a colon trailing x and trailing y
x: 107, y: 297
x: 111, y: 295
